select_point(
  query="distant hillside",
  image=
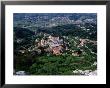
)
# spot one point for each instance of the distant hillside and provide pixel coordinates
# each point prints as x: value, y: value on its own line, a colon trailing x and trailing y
x: 52, y: 19
x: 73, y: 30
x: 22, y: 32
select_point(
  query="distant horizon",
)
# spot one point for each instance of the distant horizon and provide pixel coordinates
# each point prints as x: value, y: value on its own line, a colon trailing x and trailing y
x: 53, y: 14
x: 52, y: 19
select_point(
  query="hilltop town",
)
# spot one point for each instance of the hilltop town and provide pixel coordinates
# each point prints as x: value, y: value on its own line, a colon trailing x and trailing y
x: 57, y: 46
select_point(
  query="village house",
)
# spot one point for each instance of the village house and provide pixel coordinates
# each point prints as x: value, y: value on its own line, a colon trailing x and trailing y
x: 82, y: 42
x: 22, y: 51
x: 77, y: 53
x: 56, y: 50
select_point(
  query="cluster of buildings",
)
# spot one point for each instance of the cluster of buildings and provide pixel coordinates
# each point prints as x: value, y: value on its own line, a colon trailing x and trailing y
x: 84, y: 41
x: 56, y: 45
x: 52, y: 44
